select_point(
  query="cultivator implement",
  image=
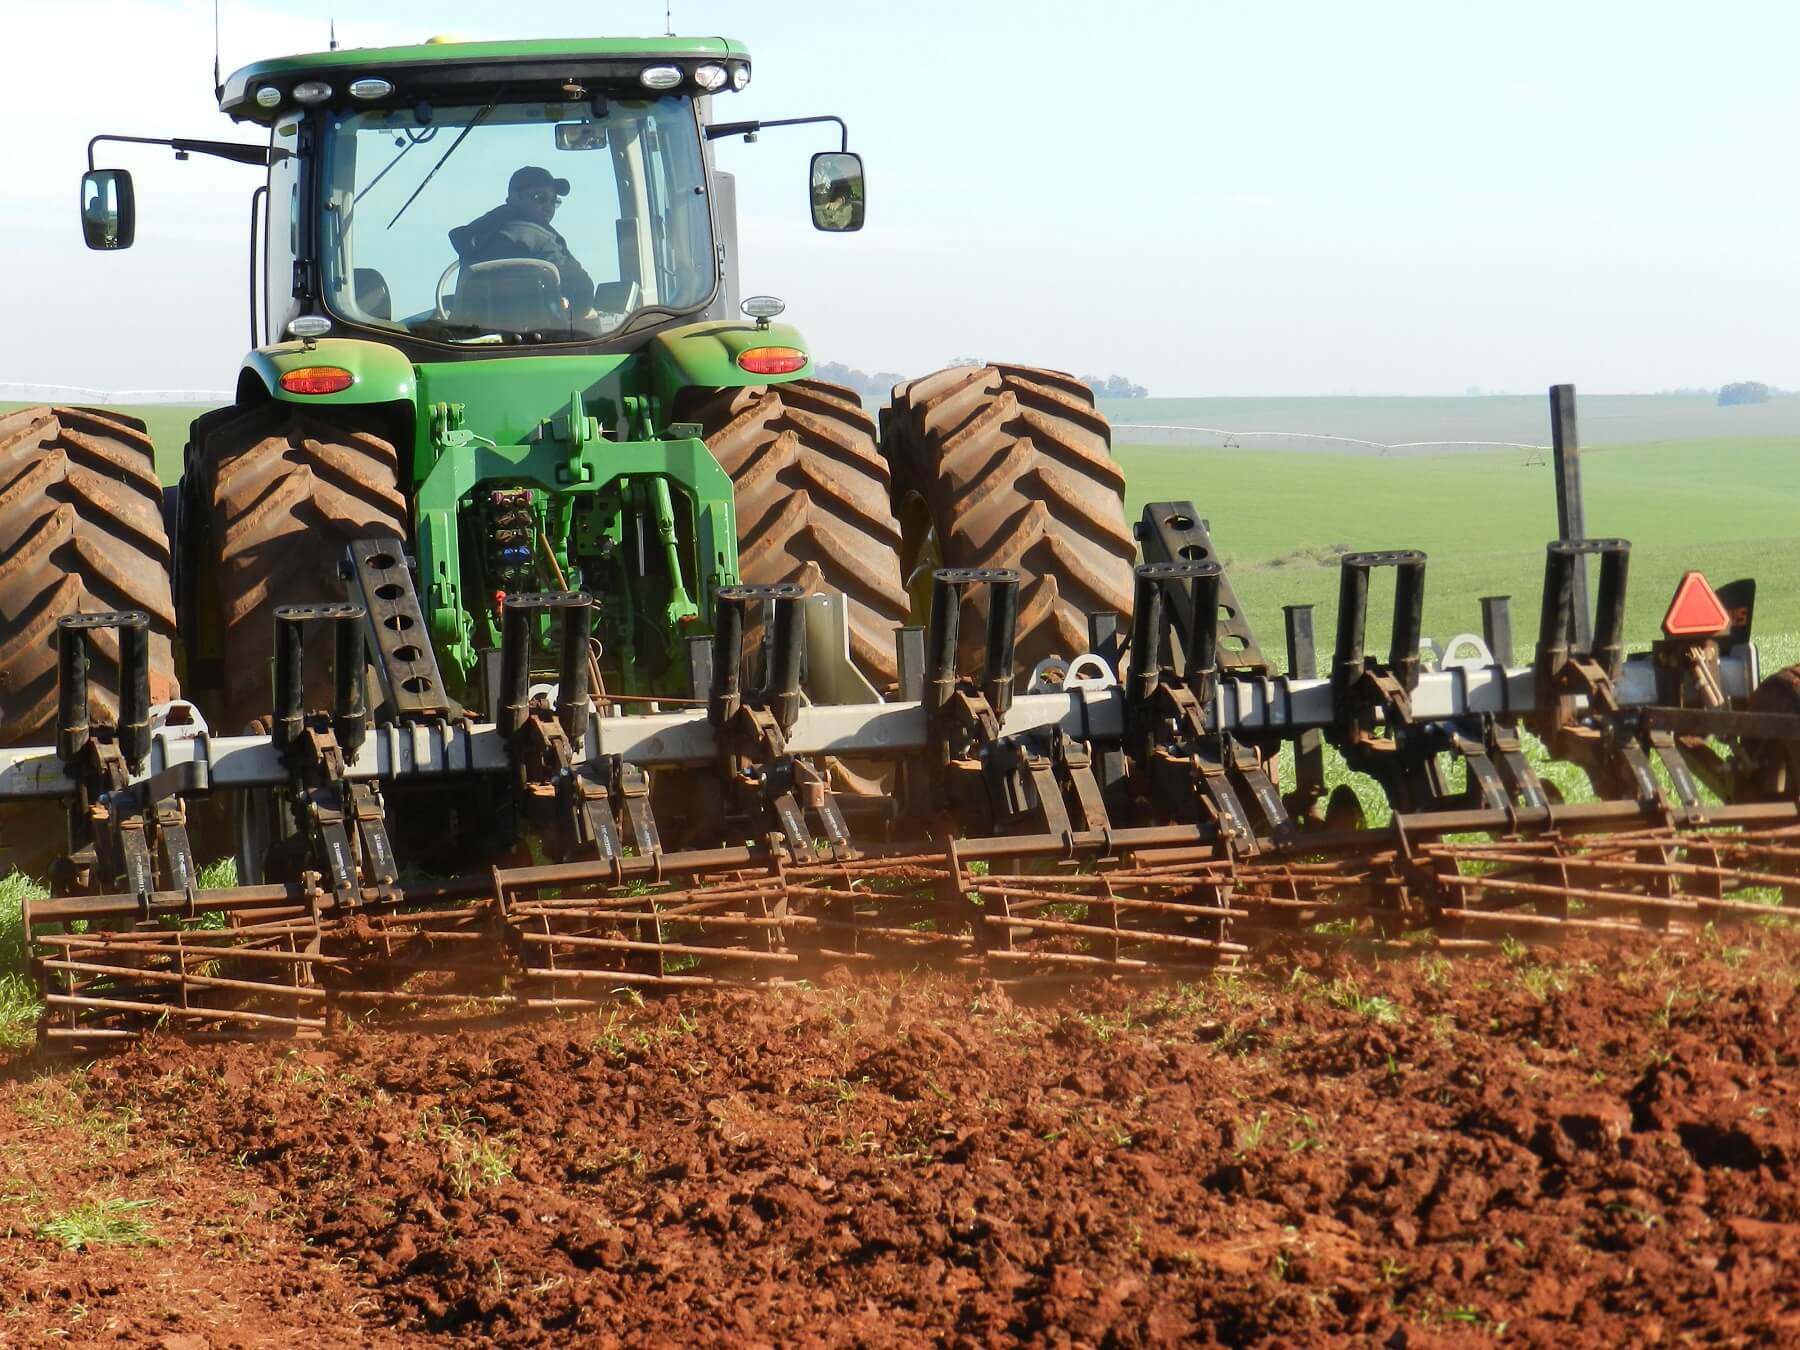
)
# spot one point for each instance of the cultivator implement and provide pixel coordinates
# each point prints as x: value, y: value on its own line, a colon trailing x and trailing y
x: 1159, y: 805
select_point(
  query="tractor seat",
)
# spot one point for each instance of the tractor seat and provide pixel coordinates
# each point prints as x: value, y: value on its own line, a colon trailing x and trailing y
x: 519, y: 295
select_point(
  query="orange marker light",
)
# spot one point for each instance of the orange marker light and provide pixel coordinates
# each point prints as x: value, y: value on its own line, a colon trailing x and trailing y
x: 317, y: 380
x: 772, y: 360
x: 1695, y: 611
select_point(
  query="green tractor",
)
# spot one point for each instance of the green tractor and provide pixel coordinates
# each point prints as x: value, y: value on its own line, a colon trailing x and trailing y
x: 496, y: 313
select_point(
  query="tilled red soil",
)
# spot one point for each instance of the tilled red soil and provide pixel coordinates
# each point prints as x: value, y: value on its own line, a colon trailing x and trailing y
x: 1600, y: 1149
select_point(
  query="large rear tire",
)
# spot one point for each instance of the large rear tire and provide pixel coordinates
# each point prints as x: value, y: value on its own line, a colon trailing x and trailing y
x: 283, y: 493
x: 1012, y: 467
x: 81, y: 532
x: 812, y: 501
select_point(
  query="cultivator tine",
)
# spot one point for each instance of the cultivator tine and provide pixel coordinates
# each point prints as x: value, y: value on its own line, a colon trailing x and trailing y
x: 116, y: 826
x: 1522, y: 782
x: 771, y: 789
x: 1376, y: 728
x: 557, y: 781
x: 343, y: 819
x: 1169, y: 718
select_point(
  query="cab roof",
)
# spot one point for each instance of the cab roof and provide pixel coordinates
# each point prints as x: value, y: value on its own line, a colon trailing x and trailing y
x: 443, y: 68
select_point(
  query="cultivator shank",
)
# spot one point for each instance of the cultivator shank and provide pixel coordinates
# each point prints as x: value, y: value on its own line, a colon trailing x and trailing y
x: 1157, y: 809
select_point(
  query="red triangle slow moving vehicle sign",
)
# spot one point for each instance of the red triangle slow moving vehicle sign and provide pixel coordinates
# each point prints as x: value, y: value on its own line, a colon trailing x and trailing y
x: 1695, y: 611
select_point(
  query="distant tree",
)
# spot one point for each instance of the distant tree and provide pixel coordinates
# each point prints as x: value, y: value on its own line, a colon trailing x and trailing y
x: 1114, y: 386
x: 1744, y: 391
x: 966, y: 361
x: 879, y: 386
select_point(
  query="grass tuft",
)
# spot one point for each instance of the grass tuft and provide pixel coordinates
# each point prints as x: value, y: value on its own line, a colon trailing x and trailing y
x: 102, y: 1223
x: 18, y: 1001
x: 1345, y: 994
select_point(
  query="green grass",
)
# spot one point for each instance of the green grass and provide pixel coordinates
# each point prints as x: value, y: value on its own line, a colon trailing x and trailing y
x: 18, y: 1003
x: 101, y: 1223
x: 1279, y: 518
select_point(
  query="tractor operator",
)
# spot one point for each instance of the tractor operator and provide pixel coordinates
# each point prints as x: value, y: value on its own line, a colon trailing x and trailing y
x: 520, y: 228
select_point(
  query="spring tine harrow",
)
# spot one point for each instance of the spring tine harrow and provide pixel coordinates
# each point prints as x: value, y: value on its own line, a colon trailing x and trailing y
x: 1165, y: 816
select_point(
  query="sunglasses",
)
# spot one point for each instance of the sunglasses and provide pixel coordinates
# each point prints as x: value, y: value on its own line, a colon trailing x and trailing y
x: 543, y: 197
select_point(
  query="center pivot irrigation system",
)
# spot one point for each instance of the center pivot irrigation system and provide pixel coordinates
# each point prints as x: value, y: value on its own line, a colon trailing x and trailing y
x: 581, y: 641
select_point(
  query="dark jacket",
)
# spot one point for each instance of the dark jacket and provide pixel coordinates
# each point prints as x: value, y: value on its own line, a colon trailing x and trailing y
x: 507, y: 232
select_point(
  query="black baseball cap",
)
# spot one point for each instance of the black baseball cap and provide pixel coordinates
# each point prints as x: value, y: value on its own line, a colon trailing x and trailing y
x: 531, y: 176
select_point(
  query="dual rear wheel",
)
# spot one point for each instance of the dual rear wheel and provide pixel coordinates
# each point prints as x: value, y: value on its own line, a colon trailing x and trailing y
x: 995, y: 466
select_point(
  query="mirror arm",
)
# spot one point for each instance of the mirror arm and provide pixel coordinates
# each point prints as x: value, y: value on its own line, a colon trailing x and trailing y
x: 237, y: 151
x: 719, y: 130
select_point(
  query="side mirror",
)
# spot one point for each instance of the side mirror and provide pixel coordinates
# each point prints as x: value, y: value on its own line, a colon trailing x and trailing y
x: 837, y: 191
x: 108, y: 209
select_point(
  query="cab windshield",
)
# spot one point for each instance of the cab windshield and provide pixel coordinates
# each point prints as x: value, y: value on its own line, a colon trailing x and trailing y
x: 515, y: 222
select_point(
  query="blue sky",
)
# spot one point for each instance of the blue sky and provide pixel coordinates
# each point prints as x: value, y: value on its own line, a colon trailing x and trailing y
x: 1210, y: 198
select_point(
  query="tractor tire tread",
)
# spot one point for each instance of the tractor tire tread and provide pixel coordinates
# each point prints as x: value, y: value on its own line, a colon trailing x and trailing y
x: 81, y: 532
x: 812, y: 501
x: 1014, y: 467
x: 286, y: 492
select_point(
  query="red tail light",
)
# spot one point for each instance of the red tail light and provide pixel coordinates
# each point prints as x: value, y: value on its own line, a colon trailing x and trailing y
x: 772, y: 360
x: 317, y: 380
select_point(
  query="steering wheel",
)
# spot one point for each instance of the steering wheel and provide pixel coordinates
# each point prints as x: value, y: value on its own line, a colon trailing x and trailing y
x: 443, y: 311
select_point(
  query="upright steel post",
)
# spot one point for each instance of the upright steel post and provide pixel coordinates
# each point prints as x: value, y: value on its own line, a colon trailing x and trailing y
x: 134, y: 688
x: 1309, y: 745
x: 71, y: 688
x: 940, y: 639
x: 1352, y: 619
x: 1554, y: 626
x: 1003, y: 625
x: 290, y: 685
x: 1146, y: 634
x: 726, y: 696
x: 1409, y: 619
x: 515, y: 667
x: 787, y: 644
x: 1201, y: 646
x: 572, y: 690
x: 1496, y: 627
x: 909, y: 655
x: 1571, y: 522
x: 1609, y: 608
x: 349, y: 713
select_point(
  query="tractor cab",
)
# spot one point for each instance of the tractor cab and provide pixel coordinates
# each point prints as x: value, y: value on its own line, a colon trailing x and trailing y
x: 505, y: 194
x: 525, y: 222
